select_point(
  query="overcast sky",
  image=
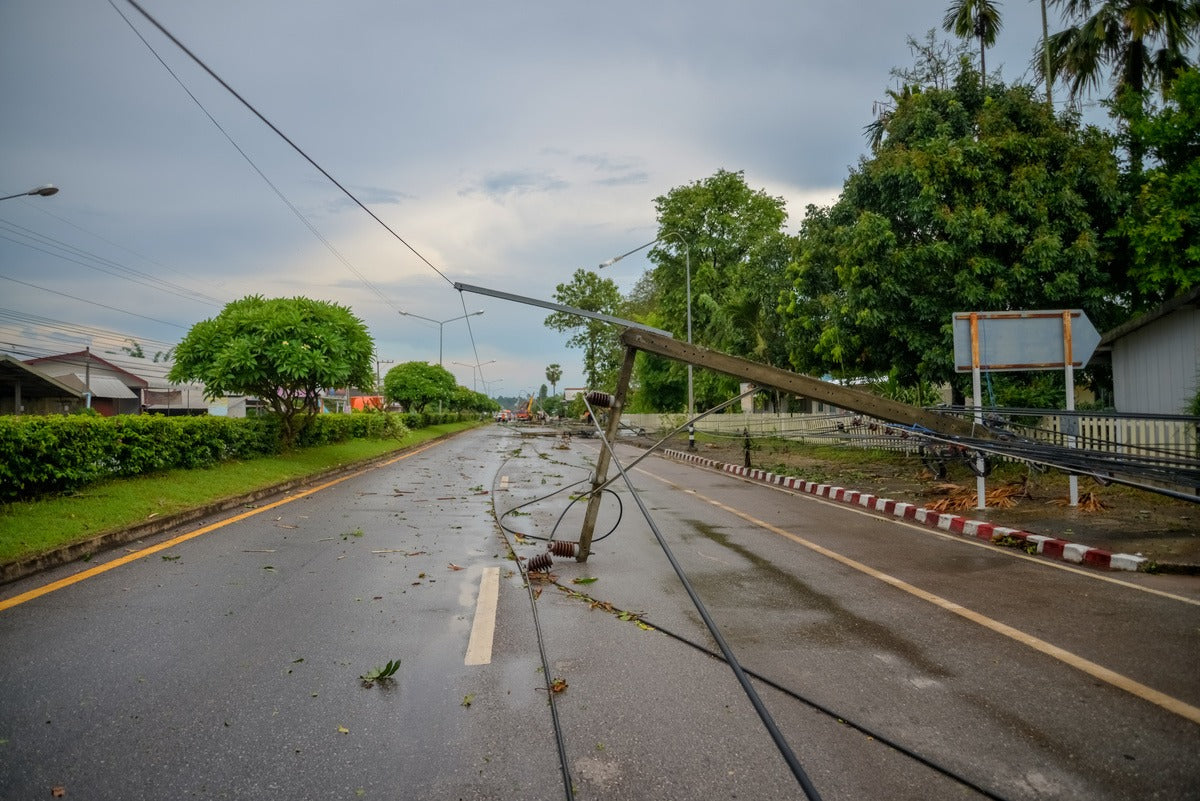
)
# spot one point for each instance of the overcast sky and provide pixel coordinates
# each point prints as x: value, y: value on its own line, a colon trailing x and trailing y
x: 506, y: 143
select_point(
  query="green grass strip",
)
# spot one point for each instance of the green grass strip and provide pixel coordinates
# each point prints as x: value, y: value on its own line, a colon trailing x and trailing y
x: 36, y: 527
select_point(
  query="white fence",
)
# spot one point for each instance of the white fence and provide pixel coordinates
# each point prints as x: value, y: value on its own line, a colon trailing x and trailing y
x: 1168, y: 437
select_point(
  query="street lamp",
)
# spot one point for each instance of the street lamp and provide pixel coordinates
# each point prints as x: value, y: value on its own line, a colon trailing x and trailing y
x: 441, y: 326
x: 43, y: 191
x: 687, y: 254
x: 475, y: 367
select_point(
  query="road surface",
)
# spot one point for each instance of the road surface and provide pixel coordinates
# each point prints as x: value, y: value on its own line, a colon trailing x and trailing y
x: 224, y: 660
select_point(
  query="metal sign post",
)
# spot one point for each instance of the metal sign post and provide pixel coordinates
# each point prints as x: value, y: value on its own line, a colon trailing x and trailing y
x: 977, y: 402
x: 1024, y: 340
x: 1069, y: 372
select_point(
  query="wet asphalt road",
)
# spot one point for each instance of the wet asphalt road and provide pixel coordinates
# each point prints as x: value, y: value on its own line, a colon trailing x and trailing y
x: 227, y: 666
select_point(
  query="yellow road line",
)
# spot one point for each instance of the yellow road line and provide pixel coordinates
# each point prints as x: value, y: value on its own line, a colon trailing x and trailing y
x: 1092, y: 574
x: 17, y: 600
x: 1167, y: 702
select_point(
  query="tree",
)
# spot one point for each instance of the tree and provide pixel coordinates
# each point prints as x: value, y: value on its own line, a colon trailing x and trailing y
x: 967, y: 205
x: 1163, y: 225
x: 600, y: 340
x: 553, y: 375
x: 416, y: 385
x: 731, y: 238
x: 975, y: 18
x: 281, y: 350
x: 1143, y: 43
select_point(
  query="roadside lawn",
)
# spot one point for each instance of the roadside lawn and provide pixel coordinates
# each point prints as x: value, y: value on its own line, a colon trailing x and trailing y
x: 36, y: 527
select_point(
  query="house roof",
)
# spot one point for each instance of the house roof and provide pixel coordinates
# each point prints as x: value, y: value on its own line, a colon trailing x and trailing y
x: 100, y: 386
x: 34, y: 383
x: 82, y: 357
x: 1189, y: 299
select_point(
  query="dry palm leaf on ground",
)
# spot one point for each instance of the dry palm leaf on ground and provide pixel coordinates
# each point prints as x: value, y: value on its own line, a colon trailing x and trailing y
x: 1088, y: 502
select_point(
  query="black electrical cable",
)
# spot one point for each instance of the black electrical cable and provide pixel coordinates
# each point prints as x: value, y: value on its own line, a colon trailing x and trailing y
x: 796, y: 696
x: 283, y: 136
x: 559, y: 737
x: 764, y: 715
x: 574, y: 500
x: 246, y: 156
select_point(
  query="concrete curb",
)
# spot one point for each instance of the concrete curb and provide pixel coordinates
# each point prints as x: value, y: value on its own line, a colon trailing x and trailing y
x: 954, y: 524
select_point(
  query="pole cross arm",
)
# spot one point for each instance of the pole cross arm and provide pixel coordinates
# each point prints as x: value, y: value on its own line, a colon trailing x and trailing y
x: 804, y: 386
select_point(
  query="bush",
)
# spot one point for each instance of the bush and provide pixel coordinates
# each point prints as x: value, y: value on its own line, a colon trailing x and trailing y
x: 52, y: 454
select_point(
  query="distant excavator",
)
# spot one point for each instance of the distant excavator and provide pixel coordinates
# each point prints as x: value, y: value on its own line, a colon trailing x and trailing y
x: 526, y: 414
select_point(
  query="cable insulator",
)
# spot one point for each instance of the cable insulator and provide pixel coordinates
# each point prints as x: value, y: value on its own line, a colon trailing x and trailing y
x: 561, y: 548
x: 539, y: 564
x: 601, y: 400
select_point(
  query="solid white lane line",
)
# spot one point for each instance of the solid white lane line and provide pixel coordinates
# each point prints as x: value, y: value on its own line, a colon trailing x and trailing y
x: 479, y: 647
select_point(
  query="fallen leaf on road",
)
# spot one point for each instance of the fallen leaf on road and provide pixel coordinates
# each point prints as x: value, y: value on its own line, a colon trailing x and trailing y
x: 455, y: 567
x: 343, y: 730
x: 58, y: 791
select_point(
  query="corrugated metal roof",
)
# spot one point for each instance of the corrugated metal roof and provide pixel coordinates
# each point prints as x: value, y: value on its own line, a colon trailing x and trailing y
x: 101, y: 387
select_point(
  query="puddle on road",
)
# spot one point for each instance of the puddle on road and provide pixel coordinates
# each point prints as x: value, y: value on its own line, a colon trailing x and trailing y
x: 787, y: 607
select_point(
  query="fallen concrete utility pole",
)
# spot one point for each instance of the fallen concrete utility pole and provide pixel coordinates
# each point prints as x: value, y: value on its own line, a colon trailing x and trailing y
x: 854, y: 400
x: 763, y: 376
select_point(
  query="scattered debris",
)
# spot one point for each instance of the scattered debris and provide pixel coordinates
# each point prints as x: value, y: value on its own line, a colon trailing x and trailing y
x: 383, y: 675
x: 1088, y: 502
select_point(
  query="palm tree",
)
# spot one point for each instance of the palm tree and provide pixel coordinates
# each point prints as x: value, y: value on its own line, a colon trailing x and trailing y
x: 1046, y: 71
x: 1144, y: 43
x: 975, y: 18
x: 553, y: 374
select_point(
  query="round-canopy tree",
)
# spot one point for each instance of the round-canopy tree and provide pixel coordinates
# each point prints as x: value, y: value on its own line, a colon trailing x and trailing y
x: 281, y: 350
x: 415, y: 385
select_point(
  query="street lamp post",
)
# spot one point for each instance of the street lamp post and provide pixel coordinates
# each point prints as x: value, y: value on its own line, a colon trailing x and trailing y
x: 474, y: 367
x: 42, y: 191
x: 687, y: 257
x: 441, y: 326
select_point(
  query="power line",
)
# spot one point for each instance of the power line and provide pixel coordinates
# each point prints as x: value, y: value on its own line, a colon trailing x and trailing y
x: 42, y: 208
x: 55, y: 326
x: 279, y: 193
x: 283, y: 136
x: 92, y: 302
x: 104, y: 265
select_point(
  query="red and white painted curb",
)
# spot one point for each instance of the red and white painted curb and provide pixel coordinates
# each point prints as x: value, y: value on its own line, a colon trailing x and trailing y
x: 955, y: 524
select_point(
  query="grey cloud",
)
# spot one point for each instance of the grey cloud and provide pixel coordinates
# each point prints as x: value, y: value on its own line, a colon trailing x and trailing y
x: 497, y: 185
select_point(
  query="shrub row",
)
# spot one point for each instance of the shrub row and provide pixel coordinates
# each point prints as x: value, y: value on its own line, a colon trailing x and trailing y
x: 52, y: 454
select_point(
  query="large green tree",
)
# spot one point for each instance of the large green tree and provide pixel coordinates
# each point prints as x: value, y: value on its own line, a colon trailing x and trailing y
x: 730, y: 238
x: 416, y: 385
x: 600, y: 340
x: 280, y: 350
x: 966, y: 205
x: 1163, y: 226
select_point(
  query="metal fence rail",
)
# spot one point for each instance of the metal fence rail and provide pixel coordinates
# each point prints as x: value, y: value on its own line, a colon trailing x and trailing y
x: 1161, y: 449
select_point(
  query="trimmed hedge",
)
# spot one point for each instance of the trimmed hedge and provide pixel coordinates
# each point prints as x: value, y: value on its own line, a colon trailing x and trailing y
x: 53, y: 454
